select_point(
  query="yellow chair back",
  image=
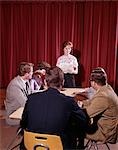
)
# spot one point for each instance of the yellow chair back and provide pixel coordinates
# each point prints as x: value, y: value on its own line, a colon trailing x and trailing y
x: 51, y: 142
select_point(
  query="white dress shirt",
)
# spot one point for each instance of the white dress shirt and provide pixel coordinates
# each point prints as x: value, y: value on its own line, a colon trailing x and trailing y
x: 68, y: 64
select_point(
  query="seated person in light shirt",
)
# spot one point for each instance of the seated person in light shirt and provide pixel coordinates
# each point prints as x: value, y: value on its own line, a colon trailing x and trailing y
x: 69, y: 65
x: 17, y: 92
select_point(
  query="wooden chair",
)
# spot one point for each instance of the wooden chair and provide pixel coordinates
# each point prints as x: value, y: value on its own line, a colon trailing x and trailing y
x: 36, y: 141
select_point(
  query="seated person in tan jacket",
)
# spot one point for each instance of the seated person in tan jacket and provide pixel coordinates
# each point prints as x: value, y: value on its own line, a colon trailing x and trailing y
x: 102, y: 108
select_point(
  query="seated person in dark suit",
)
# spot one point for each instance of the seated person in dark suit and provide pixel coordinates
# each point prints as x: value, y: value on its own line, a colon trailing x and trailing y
x: 50, y: 111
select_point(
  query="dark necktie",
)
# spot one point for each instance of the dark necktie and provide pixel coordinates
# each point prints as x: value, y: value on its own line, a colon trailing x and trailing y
x: 27, y: 86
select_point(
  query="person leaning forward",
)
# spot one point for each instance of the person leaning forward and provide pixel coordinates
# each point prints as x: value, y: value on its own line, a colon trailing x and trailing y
x: 102, y: 109
x: 51, y: 112
x: 17, y: 91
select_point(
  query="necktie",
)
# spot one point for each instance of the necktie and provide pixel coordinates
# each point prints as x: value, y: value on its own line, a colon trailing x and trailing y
x: 27, y: 86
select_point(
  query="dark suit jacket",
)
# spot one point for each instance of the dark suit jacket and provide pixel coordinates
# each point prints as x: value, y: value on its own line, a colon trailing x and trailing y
x: 49, y: 112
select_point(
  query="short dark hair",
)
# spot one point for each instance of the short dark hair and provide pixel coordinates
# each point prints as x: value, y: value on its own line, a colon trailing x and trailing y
x: 66, y: 43
x: 99, y: 76
x: 24, y: 67
x: 43, y: 65
x: 54, y: 77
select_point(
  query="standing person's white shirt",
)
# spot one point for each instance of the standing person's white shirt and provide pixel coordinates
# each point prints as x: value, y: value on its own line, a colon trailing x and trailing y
x: 68, y: 64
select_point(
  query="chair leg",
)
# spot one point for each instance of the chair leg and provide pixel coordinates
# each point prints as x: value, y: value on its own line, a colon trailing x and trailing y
x: 88, y: 145
x: 91, y: 144
x: 94, y: 144
x: 107, y: 146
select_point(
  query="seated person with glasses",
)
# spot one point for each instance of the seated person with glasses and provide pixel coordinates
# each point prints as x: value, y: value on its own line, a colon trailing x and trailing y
x: 102, y: 109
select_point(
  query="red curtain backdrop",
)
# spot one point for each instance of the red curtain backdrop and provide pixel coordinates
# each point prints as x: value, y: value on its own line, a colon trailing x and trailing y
x: 34, y: 31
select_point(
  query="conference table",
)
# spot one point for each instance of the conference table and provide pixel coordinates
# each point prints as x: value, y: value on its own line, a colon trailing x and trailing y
x: 73, y: 92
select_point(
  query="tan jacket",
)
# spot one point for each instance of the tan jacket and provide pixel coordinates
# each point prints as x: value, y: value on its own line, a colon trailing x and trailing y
x: 105, y: 104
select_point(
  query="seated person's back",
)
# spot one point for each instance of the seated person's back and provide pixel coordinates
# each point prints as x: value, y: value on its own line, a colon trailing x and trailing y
x: 49, y: 111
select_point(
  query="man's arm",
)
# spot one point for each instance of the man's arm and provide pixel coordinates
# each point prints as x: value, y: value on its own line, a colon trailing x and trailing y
x: 96, y: 106
x: 24, y: 120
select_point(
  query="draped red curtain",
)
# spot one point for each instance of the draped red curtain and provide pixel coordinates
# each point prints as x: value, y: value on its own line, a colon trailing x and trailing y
x: 34, y: 31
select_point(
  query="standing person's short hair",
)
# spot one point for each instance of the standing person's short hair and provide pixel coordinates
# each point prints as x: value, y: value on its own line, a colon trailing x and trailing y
x: 24, y: 68
x: 99, y: 76
x: 54, y: 77
x: 67, y: 43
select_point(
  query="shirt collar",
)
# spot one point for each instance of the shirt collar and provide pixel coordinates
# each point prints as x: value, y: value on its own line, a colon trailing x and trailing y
x: 24, y: 81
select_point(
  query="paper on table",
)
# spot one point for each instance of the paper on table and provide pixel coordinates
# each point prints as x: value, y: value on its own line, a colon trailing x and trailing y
x: 17, y: 114
x: 72, y: 91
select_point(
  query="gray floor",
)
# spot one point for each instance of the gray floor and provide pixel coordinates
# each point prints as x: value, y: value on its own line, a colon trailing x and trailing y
x: 8, y: 133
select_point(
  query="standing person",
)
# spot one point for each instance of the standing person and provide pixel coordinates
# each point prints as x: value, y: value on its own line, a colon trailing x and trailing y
x: 50, y: 111
x: 102, y: 108
x: 69, y: 65
x: 18, y: 90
